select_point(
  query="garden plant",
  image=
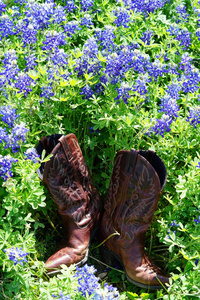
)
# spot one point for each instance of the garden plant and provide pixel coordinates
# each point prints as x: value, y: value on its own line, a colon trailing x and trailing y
x: 119, y: 74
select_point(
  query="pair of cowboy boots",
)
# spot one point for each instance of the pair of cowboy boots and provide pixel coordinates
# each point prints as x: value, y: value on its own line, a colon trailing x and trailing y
x: 136, y: 184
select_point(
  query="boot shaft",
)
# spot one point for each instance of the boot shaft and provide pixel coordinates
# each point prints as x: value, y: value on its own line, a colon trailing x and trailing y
x: 136, y: 184
x: 68, y: 180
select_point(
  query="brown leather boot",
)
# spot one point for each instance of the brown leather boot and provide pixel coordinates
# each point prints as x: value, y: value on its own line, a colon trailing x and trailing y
x: 136, y: 184
x: 70, y: 185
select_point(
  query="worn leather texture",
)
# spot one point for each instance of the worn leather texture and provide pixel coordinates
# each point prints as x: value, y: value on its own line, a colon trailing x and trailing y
x: 69, y: 182
x: 133, y: 195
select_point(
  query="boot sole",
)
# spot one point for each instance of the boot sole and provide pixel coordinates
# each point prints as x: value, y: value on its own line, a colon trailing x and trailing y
x: 111, y: 259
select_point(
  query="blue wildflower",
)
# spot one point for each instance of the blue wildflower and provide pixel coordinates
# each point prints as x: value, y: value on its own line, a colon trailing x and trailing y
x: 194, y: 116
x: 46, y: 92
x: 24, y: 83
x: 17, y: 136
x: 105, y: 37
x: 181, y: 35
x: 122, y: 17
x: 174, y: 223
x: 173, y: 90
x: 169, y: 106
x: 196, y: 262
x: 197, y: 221
x: 8, y: 115
x: 16, y: 255
x: 86, y: 4
x: 62, y: 297
x: 30, y: 61
x: 161, y: 126
x: 140, y: 84
x: 123, y: 92
x: 31, y: 154
x: 59, y: 15
x: 87, y: 92
x: 71, y: 27
x: 86, y: 20
x: 6, y: 26
x: 3, y: 135
x: 53, y: 40
x: 70, y: 6
x: 181, y: 13
x: 146, y: 37
x: 5, y: 166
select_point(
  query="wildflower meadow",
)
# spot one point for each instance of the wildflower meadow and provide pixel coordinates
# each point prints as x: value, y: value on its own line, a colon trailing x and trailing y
x: 119, y: 74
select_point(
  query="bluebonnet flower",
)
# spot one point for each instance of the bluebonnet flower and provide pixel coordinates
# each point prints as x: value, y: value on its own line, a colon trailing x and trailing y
x: 62, y: 297
x: 86, y: 20
x: 71, y: 27
x: 182, y: 13
x: 172, y: 68
x: 2, y: 7
x: 139, y: 61
x: 30, y: 61
x: 198, y: 166
x: 185, y: 62
x: 41, y: 13
x: 197, y: 221
x: 8, y: 115
x: 143, y: 6
x: 122, y: 17
x: 114, y: 66
x: 87, y: 92
x: 156, y: 69
x: 161, y: 126
x: 146, y: 37
x: 123, y: 92
x: 59, y: 57
x: 196, y: 262
x: 17, y: 136
x: 140, y: 84
x: 107, y: 293
x: 3, y: 135
x: 198, y: 33
x: 18, y: 256
x: 47, y: 92
x: 6, y: 26
x: 98, y: 88
x: 31, y: 154
x: 24, y: 83
x: 70, y: 6
x: 194, y: 116
x: 27, y: 32
x: 21, y: 2
x: 86, y: 4
x: 88, y: 282
x: 174, y: 223
x: 169, y: 106
x: 92, y: 130
x: 90, y: 48
x: 5, y: 166
x: 10, y: 67
x: 173, y: 90
x: 182, y: 35
x: 53, y: 40
x: 59, y: 14
x: 106, y: 37
x: 190, y: 80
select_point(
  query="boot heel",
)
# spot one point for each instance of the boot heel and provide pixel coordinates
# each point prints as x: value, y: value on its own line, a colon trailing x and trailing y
x: 107, y: 257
